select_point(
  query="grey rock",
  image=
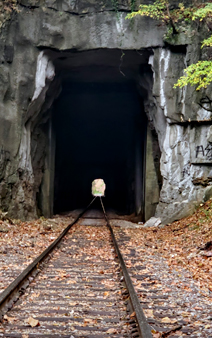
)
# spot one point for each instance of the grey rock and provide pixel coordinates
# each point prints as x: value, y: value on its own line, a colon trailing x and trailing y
x: 152, y: 222
x: 207, y: 194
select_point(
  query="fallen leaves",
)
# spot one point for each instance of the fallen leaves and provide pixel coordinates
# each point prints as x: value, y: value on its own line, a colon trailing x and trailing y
x: 156, y: 334
x: 89, y: 321
x: 106, y: 293
x: 85, y: 279
x: 183, y: 251
x: 71, y: 282
x: 185, y: 243
x: 10, y: 319
x: 168, y: 320
x: 32, y: 322
x: 148, y: 312
x: 111, y: 331
x: 23, y: 241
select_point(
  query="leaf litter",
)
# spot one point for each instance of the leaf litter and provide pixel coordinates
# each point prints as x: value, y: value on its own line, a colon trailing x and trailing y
x: 181, y: 247
x: 171, y: 268
x: 90, y: 250
x: 21, y: 242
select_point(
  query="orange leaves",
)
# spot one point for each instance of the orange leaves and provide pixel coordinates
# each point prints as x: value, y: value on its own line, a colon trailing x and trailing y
x: 149, y: 313
x: 71, y: 282
x: 111, y: 331
x: 186, y: 288
x: 156, y: 334
x: 168, y: 320
x: 10, y: 319
x: 90, y: 321
x: 26, y: 240
x: 32, y: 322
x: 63, y: 275
x: 132, y: 315
x: 180, y: 243
x: 106, y: 294
x: 210, y: 287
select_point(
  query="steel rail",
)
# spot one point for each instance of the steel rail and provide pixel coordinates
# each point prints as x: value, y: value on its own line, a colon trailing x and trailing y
x: 143, y: 326
x: 12, y: 292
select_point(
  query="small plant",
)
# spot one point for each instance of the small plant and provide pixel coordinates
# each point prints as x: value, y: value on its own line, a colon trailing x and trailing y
x: 199, y: 74
x: 115, y: 5
x: 157, y: 11
x: 132, y: 5
x: 203, y: 12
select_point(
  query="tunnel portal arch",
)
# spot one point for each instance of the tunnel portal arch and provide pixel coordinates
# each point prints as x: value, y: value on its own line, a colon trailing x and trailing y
x: 94, y: 122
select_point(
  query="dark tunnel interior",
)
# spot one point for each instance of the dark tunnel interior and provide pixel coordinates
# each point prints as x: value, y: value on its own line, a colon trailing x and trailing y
x: 99, y: 125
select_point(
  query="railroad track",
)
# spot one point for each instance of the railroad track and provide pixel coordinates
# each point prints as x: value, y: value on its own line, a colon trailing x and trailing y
x: 83, y: 289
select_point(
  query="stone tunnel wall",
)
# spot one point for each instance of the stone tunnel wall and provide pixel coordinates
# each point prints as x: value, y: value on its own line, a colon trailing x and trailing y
x: 180, y: 118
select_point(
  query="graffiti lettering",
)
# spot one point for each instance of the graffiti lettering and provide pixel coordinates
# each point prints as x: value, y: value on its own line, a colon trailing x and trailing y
x: 205, y: 152
x: 186, y: 171
x: 200, y: 150
x: 208, y: 150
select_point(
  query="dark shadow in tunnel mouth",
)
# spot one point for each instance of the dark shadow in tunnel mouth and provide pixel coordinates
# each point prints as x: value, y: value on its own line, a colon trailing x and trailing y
x: 99, y: 125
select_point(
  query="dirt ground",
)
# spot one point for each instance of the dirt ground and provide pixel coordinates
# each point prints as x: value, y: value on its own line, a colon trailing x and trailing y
x: 182, y: 249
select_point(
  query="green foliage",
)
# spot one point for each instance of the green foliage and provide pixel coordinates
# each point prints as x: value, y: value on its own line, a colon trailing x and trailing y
x: 203, y: 12
x: 159, y: 10
x: 132, y: 5
x: 183, y: 13
x: 199, y: 74
x: 115, y: 5
x: 156, y: 11
x: 207, y: 42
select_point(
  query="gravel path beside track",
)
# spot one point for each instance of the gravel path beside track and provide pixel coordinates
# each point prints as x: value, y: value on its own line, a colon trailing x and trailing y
x: 173, y: 303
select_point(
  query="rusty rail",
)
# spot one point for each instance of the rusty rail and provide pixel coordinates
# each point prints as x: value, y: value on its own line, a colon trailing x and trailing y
x: 13, y: 291
x: 144, y: 328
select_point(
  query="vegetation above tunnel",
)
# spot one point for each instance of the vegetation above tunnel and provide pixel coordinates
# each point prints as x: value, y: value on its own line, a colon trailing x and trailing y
x: 200, y: 73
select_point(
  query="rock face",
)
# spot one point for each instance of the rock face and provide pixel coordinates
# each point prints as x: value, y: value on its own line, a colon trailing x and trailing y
x: 34, y: 45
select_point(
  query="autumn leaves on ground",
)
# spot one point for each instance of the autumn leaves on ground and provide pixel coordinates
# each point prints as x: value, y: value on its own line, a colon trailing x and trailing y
x: 22, y: 242
x: 187, y: 243
x: 184, y: 244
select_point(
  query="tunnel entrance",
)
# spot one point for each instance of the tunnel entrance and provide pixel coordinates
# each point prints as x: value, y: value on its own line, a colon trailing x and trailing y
x: 99, y: 128
x: 96, y: 128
